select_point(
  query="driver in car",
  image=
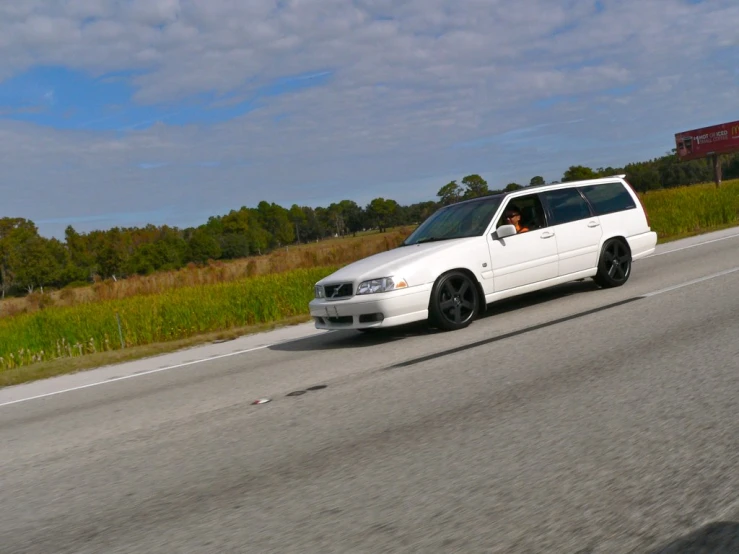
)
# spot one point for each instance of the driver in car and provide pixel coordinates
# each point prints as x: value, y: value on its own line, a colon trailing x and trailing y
x: 512, y: 216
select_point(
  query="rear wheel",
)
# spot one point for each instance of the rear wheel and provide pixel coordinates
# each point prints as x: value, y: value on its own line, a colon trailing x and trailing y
x: 614, y: 265
x: 454, y: 301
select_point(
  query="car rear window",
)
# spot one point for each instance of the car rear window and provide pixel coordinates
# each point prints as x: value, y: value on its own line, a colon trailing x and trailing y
x: 567, y: 205
x: 608, y: 198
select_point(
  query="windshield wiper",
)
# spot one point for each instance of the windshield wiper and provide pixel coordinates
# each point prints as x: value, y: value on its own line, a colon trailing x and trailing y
x: 432, y: 239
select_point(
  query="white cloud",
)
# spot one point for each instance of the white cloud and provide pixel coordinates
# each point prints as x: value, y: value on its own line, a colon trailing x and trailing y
x: 409, y: 81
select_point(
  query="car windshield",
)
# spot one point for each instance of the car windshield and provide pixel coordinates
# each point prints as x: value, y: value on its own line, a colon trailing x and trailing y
x: 465, y: 219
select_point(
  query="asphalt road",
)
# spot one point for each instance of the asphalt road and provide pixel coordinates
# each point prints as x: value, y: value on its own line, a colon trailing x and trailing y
x: 575, y: 420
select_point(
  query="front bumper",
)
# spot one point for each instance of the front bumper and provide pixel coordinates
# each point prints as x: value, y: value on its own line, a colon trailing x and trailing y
x: 385, y: 309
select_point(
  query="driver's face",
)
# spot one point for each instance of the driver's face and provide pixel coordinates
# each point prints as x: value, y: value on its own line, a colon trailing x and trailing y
x: 512, y: 217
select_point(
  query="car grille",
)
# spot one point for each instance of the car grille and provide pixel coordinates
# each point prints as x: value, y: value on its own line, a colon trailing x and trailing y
x: 339, y: 290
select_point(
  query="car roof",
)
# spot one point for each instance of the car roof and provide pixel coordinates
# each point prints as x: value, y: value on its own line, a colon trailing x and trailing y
x: 541, y: 188
x: 567, y: 184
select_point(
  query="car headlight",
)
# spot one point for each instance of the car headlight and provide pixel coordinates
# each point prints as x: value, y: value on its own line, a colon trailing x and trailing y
x: 384, y: 284
x: 319, y: 291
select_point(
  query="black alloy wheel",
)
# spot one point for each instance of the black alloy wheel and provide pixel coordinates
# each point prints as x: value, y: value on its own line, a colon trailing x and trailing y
x: 614, y: 265
x: 454, y: 301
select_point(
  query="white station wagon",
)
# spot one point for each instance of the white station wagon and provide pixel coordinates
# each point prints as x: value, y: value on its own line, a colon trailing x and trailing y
x: 469, y: 254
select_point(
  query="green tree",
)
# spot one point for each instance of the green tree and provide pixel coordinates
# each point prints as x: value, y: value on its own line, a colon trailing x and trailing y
x: 418, y: 213
x: 450, y: 193
x: 382, y: 212
x: 81, y: 264
x: 235, y: 222
x: 113, y: 252
x: 299, y: 220
x: 353, y: 216
x: 335, y: 216
x: 314, y: 226
x: 475, y: 186
x: 579, y: 173
x: 608, y: 171
x: 34, y: 260
x: 233, y: 232
x: 537, y: 181
x: 234, y: 245
x: 7, y: 226
x: 276, y: 221
x: 203, y: 246
x: 260, y: 239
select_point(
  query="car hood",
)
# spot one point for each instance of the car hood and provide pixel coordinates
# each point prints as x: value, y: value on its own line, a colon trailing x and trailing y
x: 391, y: 262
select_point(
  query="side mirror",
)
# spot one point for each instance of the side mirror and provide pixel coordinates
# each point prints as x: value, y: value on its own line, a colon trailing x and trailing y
x: 505, y: 231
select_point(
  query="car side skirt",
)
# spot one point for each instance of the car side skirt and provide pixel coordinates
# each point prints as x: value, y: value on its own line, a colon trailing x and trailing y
x: 495, y: 296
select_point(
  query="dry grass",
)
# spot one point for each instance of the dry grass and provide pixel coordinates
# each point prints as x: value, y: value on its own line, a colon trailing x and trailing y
x: 331, y: 252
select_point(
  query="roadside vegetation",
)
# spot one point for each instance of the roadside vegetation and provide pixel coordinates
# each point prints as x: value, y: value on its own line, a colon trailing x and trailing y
x: 151, y: 312
x: 328, y: 252
x: 689, y: 210
x: 159, y: 317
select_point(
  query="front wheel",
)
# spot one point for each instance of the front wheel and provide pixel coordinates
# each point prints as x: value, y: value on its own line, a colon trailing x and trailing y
x: 614, y: 265
x: 454, y: 301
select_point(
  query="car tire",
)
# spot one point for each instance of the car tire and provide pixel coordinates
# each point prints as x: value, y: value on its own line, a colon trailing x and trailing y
x: 614, y: 264
x: 454, y: 301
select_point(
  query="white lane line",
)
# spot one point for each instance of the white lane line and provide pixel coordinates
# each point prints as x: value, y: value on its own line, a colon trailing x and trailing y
x: 149, y: 372
x: 693, y: 282
x: 691, y: 246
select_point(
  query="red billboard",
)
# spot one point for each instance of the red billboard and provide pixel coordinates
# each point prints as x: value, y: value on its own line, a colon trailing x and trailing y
x: 701, y: 143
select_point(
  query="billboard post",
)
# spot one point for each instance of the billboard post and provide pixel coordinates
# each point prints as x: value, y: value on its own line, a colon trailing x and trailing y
x: 717, y: 170
x: 709, y: 142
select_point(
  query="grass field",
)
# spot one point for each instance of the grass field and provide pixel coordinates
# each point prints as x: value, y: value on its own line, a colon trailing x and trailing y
x: 679, y: 212
x: 175, y: 314
x: 172, y: 307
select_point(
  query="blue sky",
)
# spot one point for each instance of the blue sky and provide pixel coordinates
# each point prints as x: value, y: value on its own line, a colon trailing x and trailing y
x: 71, y: 99
x: 169, y: 111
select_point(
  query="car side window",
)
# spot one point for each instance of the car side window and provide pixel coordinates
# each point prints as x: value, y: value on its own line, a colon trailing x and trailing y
x: 566, y: 205
x: 528, y: 211
x: 608, y: 198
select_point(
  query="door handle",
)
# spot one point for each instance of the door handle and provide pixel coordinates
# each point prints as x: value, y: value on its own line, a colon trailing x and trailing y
x: 593, y: 224
x: 547, y: 235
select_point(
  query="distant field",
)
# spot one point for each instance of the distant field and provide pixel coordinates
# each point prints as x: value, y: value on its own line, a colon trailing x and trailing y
x: 194, y: 301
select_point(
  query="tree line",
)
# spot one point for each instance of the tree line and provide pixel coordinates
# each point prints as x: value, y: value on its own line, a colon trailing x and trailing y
x: 29, y: 261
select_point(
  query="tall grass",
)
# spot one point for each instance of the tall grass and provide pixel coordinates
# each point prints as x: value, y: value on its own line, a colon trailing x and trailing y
x: 174, y: 314
x: 330, y: 252
x: 692, y: 209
